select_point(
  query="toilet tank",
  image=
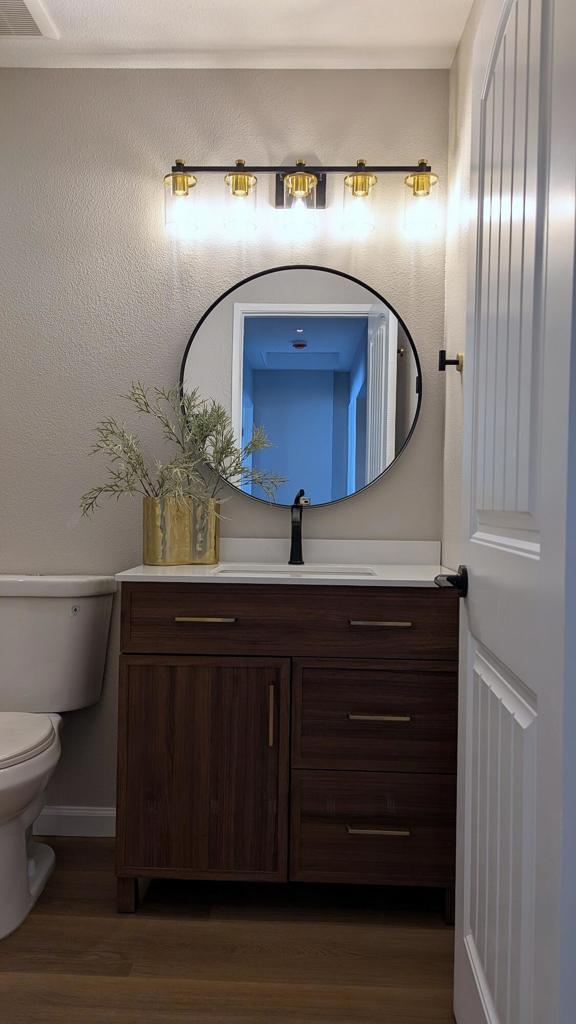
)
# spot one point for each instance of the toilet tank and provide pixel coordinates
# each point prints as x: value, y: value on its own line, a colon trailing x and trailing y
x: 53, y: 639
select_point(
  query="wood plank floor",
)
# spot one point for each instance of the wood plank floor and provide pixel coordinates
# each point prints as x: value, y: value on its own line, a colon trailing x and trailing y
x: 223, y: 954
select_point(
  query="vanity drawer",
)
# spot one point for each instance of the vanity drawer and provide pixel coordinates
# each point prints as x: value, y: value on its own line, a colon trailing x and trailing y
x: 299, y: 621
x: 374, y: 715
x: 368, y: 827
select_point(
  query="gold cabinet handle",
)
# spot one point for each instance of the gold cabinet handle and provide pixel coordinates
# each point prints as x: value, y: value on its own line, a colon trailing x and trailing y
x: 378, y: 831
x: 203, y: 618
x: 382, y: 623
x: 380, y: 718
x: 271, y: 715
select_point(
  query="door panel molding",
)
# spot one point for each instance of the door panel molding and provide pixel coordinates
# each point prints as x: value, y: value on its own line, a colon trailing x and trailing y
x: 526, y: 546
x: 511, y: 531
x: 508, y: 292
x: 499, y: 836
x: 489, y: 1012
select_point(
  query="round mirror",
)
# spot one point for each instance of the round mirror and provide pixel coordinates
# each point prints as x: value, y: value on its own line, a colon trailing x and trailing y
x: 323, y: 365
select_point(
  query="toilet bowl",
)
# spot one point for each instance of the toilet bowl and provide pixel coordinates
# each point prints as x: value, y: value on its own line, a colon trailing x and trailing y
x: 29, y: 753
x: 53, y: 639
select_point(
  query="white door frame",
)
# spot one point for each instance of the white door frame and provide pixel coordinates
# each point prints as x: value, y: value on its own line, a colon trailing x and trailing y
x: 244, y: 309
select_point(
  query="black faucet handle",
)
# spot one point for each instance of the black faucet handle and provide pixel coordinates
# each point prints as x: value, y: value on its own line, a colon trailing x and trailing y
x: 301, y: 498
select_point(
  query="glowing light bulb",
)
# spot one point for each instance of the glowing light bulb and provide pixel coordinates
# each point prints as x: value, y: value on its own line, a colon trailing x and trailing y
x: 240, y: 201
x: 358, y: 201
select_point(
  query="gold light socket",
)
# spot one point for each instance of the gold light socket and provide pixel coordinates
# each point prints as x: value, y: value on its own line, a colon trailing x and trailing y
x: 421, y: 181
x: 240, y: 182
x: 300, y: 184
x: 180, y: 182
x: 361, y: 181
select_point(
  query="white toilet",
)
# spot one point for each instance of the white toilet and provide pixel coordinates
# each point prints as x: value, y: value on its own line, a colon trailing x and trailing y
x: 53, y: 639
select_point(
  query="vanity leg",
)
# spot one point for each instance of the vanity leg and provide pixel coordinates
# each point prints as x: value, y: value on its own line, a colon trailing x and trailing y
x: 449, y: 900
x: 126, y: 895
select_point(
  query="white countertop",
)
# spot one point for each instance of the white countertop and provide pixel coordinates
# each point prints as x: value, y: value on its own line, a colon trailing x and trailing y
x: 308, y: 575
x: 355, y: 563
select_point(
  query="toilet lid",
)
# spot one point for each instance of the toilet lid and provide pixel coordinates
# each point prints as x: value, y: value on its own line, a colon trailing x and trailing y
x: 22, y: 736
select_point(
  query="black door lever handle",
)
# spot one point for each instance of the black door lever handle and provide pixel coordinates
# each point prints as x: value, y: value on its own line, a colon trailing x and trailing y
x: 443, y: 362
x: 458, y: 580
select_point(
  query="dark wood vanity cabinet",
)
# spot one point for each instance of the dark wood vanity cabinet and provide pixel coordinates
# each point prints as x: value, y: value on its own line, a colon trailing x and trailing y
x: 274, y: 733
x: 204, y: 766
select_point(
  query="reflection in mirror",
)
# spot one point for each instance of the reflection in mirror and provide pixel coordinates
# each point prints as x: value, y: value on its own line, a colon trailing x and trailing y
x: 323, y: 365
x: 324, y: 387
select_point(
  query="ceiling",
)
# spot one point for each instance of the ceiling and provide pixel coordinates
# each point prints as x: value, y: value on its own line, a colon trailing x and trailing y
x: 235, y: 34
x: 331, y: 342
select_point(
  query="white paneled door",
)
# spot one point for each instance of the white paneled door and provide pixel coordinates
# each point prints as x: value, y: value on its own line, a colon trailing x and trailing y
x: 515, y: 928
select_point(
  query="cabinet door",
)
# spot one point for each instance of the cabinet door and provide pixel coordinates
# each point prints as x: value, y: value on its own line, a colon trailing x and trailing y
x: 203, y: 767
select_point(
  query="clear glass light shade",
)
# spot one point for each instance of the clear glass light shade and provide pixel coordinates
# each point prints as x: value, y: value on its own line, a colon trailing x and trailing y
x: 300, y: 189
x: 423, y: 217
x: 240, y: 184
x: 421, y: 181
x: 295, y: 226
x: 240, y: 199
x: 180, y: 204
x: 423, y: 214
x: 358, y: 200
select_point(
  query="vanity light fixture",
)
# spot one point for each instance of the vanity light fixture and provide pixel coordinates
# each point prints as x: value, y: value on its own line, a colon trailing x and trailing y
x: 421, y: 180
x: 361, y: 182
x: 296, y: 187
x: 300, y: 187
x: 179, y: 199
x: 179, y: 181
x: 359, y: 199
x: 240, y: 200
x: 240, y: 182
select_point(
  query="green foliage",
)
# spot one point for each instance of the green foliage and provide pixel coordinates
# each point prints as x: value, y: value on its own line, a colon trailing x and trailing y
x: 206, y: 451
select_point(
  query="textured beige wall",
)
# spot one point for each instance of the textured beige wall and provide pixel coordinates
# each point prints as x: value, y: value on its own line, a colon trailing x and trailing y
x: 457, y: 261
x: 93, y: 294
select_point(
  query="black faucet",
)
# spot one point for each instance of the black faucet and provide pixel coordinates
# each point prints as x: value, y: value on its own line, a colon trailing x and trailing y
x: 296, y: 521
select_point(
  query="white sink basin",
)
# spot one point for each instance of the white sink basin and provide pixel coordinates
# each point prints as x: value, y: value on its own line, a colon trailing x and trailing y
x: 316, y: 571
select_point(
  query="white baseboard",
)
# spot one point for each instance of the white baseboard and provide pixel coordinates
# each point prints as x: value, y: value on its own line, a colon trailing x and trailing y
x: 76, y: 821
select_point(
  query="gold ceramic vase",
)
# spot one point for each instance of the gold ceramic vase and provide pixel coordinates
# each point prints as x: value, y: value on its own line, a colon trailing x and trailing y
x: 180, y: 531
x: 205, y: 532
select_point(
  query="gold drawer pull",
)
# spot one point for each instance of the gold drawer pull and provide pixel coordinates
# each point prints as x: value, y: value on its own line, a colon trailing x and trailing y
x: 380, y: 718
x: 202, y: 618
x: 378, y: 831
x: 271, y: 716
x: 382, y: 623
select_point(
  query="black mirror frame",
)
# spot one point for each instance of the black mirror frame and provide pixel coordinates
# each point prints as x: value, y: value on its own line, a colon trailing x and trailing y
x: 356, y: 280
